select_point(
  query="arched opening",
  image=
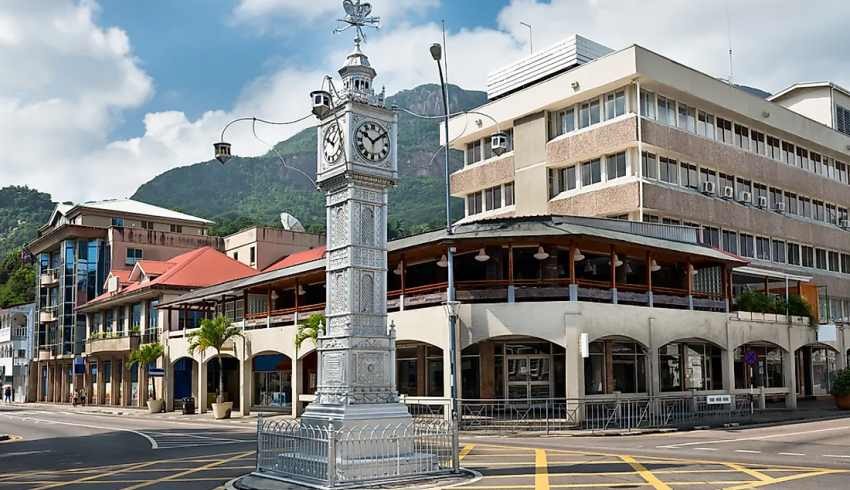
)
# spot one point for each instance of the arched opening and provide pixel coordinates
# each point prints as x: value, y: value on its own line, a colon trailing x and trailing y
x: 615, y: 364
x: 815, y: 365
x: 272, y: 381
x: 181, y: 381
x: 419, y: 369
x: 309, y: 373
x: 759, y: 364
x: 513, y: 368
x: 231, y: 380
x: 690, y: 364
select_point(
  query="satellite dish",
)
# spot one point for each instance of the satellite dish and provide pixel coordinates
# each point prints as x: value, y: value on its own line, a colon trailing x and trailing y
x: 290, y: 223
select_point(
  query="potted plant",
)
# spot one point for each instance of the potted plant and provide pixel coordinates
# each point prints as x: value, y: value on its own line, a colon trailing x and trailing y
x: 840, y: 390
x: 213, y: 334
x: 144, y: 356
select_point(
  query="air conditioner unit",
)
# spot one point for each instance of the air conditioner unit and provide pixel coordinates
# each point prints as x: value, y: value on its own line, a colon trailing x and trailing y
x: 728, y: 192
x: 708, y: 187
x: 745, y: 197
x: 779, y: 207
x: 762, y: 202
x: 844, y: 223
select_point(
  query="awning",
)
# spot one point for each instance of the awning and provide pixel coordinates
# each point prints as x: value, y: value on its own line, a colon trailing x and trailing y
x: 758, y: 271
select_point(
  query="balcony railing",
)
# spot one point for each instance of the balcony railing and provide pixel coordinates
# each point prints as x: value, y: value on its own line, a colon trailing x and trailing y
x: 47, y: 313
x: 49, y: 277
x: 111, y: 343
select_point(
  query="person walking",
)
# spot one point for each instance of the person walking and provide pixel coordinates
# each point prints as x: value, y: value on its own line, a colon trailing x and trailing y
x: 8, y: 394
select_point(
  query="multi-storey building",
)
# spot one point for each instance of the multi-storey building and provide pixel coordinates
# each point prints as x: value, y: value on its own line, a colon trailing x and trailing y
x: 75, y: 252
x: 634, y: 135
x: 16, y: 329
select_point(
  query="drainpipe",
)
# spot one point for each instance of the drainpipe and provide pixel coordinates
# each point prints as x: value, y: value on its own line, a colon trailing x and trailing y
x: 640, y: 151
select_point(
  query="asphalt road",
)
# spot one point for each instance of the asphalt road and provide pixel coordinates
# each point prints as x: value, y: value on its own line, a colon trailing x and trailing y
x: 58, y: 448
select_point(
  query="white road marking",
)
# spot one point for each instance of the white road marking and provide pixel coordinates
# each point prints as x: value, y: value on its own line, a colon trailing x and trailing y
x: 705, y: 449
x: 747, y: 451
x: 791, y: 454
x: 154, y: 445
x: 754, y: 438
x: 836, y: 456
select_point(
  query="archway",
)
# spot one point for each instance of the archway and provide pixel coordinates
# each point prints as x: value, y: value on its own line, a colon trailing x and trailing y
x: 615, y: 364
x: 759, y: 364
x: 419, y: 369
x: 815, y: 365
x: 182, y: 381
x: 690, y: 364
x: 231, y: 380
x: 272, y: 373
x: 514, y: 368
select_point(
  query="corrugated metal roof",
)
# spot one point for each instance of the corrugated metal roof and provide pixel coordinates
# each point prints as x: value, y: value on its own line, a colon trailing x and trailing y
x: 137, y: 207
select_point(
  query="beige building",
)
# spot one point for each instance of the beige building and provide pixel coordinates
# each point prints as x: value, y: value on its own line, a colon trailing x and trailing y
x: 634, y: 135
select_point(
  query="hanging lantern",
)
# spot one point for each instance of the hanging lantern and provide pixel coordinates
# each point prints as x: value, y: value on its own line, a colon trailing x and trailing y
x: 443, y: 262
x: 398, y: 270
x: 499, y: 143
x: 482, y: 255
x: 654, y: 267
x: 222, y: 152
x: 578, y: 256
x: 617, y: 261
x: 321, y: 103
x: 541, y: 253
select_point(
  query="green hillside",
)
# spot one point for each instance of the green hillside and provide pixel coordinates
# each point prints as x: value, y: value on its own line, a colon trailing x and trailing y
x: 22, y: 211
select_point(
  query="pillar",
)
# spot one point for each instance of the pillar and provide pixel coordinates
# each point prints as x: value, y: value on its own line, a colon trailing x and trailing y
x: 421, y: 378
x: 487, y: 369
x: 296, y: 385
x: 245, y: 376
x: 574, y: 363
x: 790, y: 368
x: 728, y: 359
x: 202, y: 387
x: 168, y: 385
x: 125, y: 383
x: 99, y: 389
x: 116, y: 376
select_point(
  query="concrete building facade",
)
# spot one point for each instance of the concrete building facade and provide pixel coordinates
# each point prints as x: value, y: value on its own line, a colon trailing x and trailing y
x: 16, y: 334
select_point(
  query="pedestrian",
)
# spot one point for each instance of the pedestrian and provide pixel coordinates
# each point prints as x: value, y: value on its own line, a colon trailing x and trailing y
x: 84, y: 396
x: 8, y: 394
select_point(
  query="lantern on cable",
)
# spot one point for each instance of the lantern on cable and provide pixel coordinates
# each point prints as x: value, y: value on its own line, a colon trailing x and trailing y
x: 499, y: 143
x: 222, y: 152
x: 482, y: 255
x: 321, y: 100
x: 541, y: 253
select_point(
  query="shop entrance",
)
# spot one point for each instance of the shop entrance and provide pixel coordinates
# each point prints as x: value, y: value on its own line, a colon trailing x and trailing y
x: 528, y: 376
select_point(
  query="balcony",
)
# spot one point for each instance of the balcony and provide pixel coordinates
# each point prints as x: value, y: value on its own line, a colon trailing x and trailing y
x: 47, y: 314
x: 103, y: 343
x: 50, y: 277
x: 45, y: 353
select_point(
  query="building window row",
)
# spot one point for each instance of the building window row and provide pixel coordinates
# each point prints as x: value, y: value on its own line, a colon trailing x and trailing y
x: 587, y: 173
x: 696, y: 121
x: 713, y: 183
x: 587, y: 113
x: 490, y: 199
x: 481, y: 149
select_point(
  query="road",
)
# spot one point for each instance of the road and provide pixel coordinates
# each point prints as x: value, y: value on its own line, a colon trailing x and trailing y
x: 58, y: 448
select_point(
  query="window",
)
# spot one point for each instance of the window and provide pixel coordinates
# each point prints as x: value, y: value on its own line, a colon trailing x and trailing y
x: 842, y: 119
x: 791, y: 203
x: 757, y: 142
x: 730, y: 241
x: 668, y: 170
x: 473, y: 152
x: 615, y: 104
x: 788, y: 153
x: 689, y: 176
x: 136, y: 315
x: 808, y: 256
x: 493, y: 198
x: 803, y: 158
x: 820, y: 258
x: 147, y: 225
x: 762, y: 248
x: 743, y: 185
x: 842, y: 217
x: 650, y: 165
x: 687, y: 118
x: 833, y: 262
x: 747, y: 245
x: 831, y: 214
x: 647, y: 104
x: 793, y: 254
x: 724, y: 130
x: 818, y: 211
x: 805, y: 208
x: 666, y: 110
x: 252, y: 253
x: 816, y: 164
x: 742, y: 137
x: 845, y: 263
x: 767, y: 371
x: 708, y: 175
x: 133, y: 255
x: 563, y: 122
x: 670, y: 221
x: 779, y: 251
x: 711, y: 236
x: 616, y: 165
x: 759, y: 191
x: 727, y: 181
x: 651, y: 218
x: 773, y: 148
x: 589, y: 113
x: 561, y: 179
x: 236, y: 256
x: 118, y: 222
x: 705, y: 125
x: 591, y: 172
x: 509, y: 194
x: 841, y: 172
x: 176, y: 228
x: 474, y: 204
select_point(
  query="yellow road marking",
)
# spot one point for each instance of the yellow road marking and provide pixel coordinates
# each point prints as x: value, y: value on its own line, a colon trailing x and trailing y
x: 774, y: 481
x: 12, y: 438
x: 184, y: 473
x: 541, y: 474
x: 466, y: 450
x: 758, y: 475
x: 625, y: 473
x: 644, y: 473
x: 98, y: 475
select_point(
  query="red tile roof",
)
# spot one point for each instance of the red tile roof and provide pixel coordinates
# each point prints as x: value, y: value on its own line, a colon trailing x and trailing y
x: 198, y: 268
x: 297, y: 258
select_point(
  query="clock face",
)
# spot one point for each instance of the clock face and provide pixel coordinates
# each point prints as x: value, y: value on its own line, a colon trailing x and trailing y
x: 332, y: 143
x: 372, y: 141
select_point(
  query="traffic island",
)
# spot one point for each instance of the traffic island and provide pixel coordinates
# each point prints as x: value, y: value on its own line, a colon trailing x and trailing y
x: 254, y: 482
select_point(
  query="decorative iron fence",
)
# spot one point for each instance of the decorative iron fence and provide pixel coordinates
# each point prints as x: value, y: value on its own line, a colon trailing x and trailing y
x: 595, y: 414
x: 328, y: 457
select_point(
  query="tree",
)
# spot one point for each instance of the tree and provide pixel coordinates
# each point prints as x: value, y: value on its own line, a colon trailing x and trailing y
x: 144, y: 356
x: 213, y: 334
x: 312, y: 328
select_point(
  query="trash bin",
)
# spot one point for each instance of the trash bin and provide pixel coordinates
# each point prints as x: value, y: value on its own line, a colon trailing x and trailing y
x: 188, y: 406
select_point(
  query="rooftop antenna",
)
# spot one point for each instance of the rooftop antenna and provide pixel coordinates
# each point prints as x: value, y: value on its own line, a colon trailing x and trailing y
x: 530, y: 36
x: 729, y: 34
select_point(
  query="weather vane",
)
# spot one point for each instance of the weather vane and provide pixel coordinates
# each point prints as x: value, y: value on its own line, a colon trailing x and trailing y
x: 358, y: 18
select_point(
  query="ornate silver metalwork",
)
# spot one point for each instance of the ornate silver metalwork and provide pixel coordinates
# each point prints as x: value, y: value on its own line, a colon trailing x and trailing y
x: 358, y: 17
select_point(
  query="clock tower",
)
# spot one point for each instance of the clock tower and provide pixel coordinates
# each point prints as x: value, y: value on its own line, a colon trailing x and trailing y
x: 357, y: 164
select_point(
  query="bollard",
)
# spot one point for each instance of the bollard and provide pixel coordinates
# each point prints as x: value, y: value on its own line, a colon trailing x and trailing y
x: 762, y: 400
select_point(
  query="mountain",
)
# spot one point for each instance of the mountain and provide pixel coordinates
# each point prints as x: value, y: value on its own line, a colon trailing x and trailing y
x: 255, y: 190
x: 22, y: 212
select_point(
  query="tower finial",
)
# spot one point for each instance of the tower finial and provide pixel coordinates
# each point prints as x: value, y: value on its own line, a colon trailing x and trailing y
x: 357, y: 17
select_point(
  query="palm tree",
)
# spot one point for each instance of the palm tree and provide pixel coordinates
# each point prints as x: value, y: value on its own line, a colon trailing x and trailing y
x: 144, y: 356
x: 312, y: 328
x: 213, y: 334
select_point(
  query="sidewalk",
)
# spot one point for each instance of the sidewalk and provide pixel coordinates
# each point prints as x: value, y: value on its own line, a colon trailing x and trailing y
x: 205, y: 418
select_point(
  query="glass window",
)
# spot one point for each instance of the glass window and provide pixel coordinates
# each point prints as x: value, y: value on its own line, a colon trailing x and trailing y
x: 647, y: 104
x: 616, y: 165
x: 689, y: 175
x: 808, y: 256
x: 803, y: 159
x: 762, y: 248
x: 666, y: 110
x: 650, y: 165
x: 668, y: 170
x: 724, y: 130
x: 136, y: 315
x: 742, y: 137
x: 118, y: 222
x: 747, y: 245
x: 773, y: 148
x: 818, y: 211
x: 687, y: 118
x: 779, y: 251
x: 845, y: 263
x: 493, y: 198
x: 758, y: 365
x: 509, y: 194
x: 708, y: 175
x: 820, y: 258
x: 788, y: 153
x: 793, y: 254
x: 730, y: 241
x: 473, y: 152
x: 133, y: 255
x: 757, y: 142
x: 711, y: 236
x: 805, y: 207
x: 615, y: 104
x: 705, y: 125
x: 833, y: 261
x: 591, y: 172
x: 474, y: 203
x: 791, y: 203
x: 595, y: 111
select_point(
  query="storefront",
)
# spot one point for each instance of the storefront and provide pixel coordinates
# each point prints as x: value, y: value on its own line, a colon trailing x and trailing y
x: 615, y: 364
x: 419, y: 369
x: 272, y: 382
x: 513, y: 368
x: 690, y: 365
x: 815, y: 365
x: 759, y: 364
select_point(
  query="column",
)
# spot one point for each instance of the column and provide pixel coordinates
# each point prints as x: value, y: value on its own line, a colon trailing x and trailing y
x: 296, y: 385
x: 613, y: 258
x: 649, y: 296
x: 790, y: 368
x: 99, y: 389
x: 572, y: 267
x: 421, y: 378
x: 574, y: 364
x: 202, y: 387
x: 245, y: 385
x: 654, y: 374
x: 168, y: 385
x: 487, y: 369
x: 113, y: 383
x: 125, y: 383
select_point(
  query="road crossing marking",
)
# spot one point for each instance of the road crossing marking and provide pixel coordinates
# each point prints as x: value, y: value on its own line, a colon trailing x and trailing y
x: 644, y: 473
x: 541, y: 470
x: 189, y: 472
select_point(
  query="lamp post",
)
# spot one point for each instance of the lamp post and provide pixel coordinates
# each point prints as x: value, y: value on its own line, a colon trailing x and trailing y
x: 451, y: 305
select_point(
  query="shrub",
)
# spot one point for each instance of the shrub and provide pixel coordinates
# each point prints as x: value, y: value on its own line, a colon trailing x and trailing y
x: 841, y: 383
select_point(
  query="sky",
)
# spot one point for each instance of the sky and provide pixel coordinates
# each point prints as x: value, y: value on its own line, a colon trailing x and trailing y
x: 99, y: 96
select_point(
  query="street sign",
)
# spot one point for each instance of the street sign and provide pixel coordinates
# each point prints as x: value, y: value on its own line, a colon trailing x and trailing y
x: 156, y: 372
x: 751, y: 357
x: 718, y: 399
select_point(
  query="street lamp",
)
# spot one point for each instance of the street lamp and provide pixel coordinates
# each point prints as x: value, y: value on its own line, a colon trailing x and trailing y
x: 451, y: 305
